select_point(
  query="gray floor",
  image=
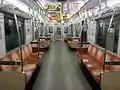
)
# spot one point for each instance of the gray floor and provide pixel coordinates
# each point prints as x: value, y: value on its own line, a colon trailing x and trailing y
x: 60, y: 70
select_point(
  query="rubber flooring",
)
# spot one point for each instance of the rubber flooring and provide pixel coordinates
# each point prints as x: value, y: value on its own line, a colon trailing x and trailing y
x: 60, y: 70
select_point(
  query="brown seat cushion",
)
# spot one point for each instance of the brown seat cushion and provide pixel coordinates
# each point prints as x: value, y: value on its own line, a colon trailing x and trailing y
x: 27, y: 67
x: 28, y: 75
x: 87, y: 59
x: 96, y: 74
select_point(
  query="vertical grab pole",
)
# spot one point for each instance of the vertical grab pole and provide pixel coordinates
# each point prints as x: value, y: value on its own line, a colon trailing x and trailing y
x: 80, y: 31
x: 19, y: 40
x: 106, y: 36
x: 38, y: 40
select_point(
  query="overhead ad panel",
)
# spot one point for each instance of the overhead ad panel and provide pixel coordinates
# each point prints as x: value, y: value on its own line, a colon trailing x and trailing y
x: 53, y: 11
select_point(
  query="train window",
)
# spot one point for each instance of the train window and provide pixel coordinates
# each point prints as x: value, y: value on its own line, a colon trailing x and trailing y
x: 7, y: 27
x: 11, y: 35
x: 112, y: 34
x: 58, y: 33
x: 41, y: 29
x: 41, y: 32
x: 50, y: 29
x: 71, y: 30
x: 21, y: 29
x: 76, y: 33
x: 66, y: 30
x: 76, y: 30
x: 116, y: 26
x: 46, y: 31
x: 101, y: 33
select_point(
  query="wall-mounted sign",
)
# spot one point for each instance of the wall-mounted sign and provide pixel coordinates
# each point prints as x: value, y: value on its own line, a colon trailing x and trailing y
x: 65, y: 8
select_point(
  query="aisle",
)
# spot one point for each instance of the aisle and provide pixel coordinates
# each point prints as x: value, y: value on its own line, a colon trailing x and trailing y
x: 60, y: 70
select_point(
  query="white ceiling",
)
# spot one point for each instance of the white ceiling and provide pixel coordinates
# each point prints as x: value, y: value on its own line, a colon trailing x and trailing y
x: 31, y: 3
x: 61, y: 0
x: 72, y: 5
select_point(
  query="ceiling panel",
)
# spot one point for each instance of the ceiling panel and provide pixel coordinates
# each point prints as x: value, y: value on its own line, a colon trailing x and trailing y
x: 31, y: 4
x: 72, y: 5
x: 61, y: 0
x: 91, y: 4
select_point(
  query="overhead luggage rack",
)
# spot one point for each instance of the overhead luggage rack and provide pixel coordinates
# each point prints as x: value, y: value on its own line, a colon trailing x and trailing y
x: 8, y: 8
x: 91, y: 4
x: 109, y: 12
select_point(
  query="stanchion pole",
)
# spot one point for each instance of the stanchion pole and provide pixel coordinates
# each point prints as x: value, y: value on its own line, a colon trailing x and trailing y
x: 106, y: 36
x: 19, y: 41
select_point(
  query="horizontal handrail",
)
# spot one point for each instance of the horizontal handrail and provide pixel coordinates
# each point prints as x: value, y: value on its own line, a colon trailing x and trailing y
x: 117, y: 62
x: 10, y: 63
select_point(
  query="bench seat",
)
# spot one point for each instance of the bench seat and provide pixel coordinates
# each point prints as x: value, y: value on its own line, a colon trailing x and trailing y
x: 93, y: 59
x: 30, y: 60
x: 28, y: 70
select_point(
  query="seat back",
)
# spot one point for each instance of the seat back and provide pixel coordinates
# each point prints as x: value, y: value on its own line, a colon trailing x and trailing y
x: 85, y: 45
x: 90, y: 48
x: 15, y: 55
x: 48, y: 39
x: 30, y: 47
x: 97, y: 53
x: 69, y: 39
x: 94, y: 52
x: 100, y: 56
x: 109, y: 57
x: 75, y: 40
x: 26, y: 51
x: 24, y: 56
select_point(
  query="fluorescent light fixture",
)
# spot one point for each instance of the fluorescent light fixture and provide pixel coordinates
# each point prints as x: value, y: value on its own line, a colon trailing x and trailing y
x: 113, y: 2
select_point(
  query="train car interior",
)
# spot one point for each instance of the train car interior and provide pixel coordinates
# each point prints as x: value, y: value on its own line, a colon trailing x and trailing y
x: 59, y: 44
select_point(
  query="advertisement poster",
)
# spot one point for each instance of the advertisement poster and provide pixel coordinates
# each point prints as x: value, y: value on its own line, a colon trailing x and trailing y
x: 53, y: 12
x: 65, y: 8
